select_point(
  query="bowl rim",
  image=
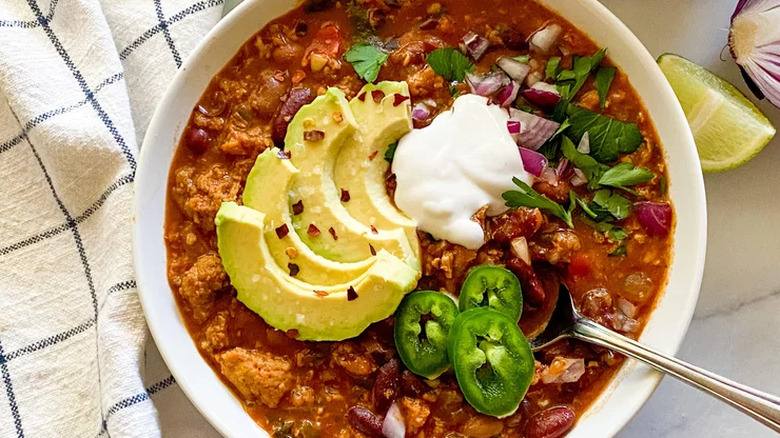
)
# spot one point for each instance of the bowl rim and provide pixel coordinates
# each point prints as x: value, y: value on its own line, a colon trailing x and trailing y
x: 179, y: 368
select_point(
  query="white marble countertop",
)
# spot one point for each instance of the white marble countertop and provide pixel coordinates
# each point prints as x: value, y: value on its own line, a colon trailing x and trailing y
x: 736, y: 328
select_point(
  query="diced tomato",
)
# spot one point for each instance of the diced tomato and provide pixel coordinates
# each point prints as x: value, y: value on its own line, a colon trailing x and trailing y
x: 327, y: 41
x: 579, y: 266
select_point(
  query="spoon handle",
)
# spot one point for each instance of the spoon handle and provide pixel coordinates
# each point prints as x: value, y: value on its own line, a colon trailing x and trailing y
x: 761, y: 406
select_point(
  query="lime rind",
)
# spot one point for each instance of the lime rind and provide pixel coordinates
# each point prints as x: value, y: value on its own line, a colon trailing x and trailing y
x: 728, y: 129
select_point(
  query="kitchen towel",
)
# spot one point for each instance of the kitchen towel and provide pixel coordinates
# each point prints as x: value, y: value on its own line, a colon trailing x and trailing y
x: 79, y: 80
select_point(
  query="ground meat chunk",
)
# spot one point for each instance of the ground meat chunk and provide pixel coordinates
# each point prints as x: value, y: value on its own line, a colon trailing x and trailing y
x: 424, y: 82
x: 353, y: 360
x: 258, y: 376
x: 215, y: 336
x: 200, y: 193
x: 200, y: 284
x: 558, y: 191
x: 555, y: 246
x: 415, y: 413
x: 246, y: 143
x: 444, y: 263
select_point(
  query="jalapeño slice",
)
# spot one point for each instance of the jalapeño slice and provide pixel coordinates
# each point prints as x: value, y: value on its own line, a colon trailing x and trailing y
x: 492, y: 286
x: 422, y: 323
x: 492, y: 360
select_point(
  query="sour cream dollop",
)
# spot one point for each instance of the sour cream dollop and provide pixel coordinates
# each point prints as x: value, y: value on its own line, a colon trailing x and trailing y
x: 465, y: 159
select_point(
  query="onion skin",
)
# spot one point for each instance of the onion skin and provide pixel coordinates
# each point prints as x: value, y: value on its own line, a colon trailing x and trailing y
x: 754, y: 43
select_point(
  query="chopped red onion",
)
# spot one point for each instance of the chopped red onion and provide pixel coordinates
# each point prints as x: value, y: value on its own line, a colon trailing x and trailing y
x: 563, y: 370
x: 534, y: 130
x: 513, y: 126
x: 476, y: 46
x: 655, y: 217
x: 421, y: 111
x: 507, y: 95
x: 754, y: 40
x: 545, y: 38
x: 563, y: 165
x: 533, y: 162
x: 550, y: 176
x: 393, y: 426
x: 543, y: 95
x: 584, y: 146
x: 626, y: 307
x: 486, y: 84
x: 514, y: 69
x: 623, y: 323
x: 520, y: 249
x: 578, y: 178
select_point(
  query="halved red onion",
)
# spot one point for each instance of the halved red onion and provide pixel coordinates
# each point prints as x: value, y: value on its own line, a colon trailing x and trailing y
x: 543, y: 95
x: 754, y: 40
x: 507, y: 95
x: 534, y: 130
x: 421, y: 111
x: 513, y: 68
x: 533, y: 162
x: 655, y: 217
x: 476, y: 46
x: 486, y: 84
x: 393, y: 426
x: 543, y: 40
x: 584, y: 145
x: 563, y: 370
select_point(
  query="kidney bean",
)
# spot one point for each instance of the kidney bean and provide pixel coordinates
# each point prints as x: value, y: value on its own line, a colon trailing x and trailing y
x: 522, y: 222
x: 511, y: 37
x: 387, y: 385
x: 296, y: 98
x: 532, y: 287
x: 365, y: 421
x: 411, y: 384
x: 198, y: 140
x: 550, y: 423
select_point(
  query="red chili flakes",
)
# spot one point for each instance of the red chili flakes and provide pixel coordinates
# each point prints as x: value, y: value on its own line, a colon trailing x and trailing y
x: 377, y: 95
x: 294, y: 269
x: 371, y: 248
x: 321, y: 293
x: 374, y: 230
x: 292, y: 334
x: 282, y: 231
x: 362, y: 96
x: 372, y: 156
x: 333, y: 233
x: 351, y: 294
x: 344, y: 195
x: 399, y: 99
x: 313, y: 135
x: 297, y: 208
x: 284, y: 155
x: 313, y: 231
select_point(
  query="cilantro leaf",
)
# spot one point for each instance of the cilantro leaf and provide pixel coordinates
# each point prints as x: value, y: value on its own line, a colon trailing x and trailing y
x: 525, y: 59
x: 525, y: 196
x: 581, y: 68
x: 587, y: 164
x: 390, y: 152
x: 620, y: 251
x: 624, y: 175
x: 551, y: 70
x: 608, y: 137
x: 613, y: 232
x: 450, y: 63
x: 604, y: 77
x: 618, y: 206
x: 366, y: 60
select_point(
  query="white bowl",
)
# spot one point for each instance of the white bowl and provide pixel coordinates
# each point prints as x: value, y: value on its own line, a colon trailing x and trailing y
x: 664, y: 331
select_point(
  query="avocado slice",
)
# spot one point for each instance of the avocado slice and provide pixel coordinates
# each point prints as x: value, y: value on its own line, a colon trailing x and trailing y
x: 317, y: 313
x: 314, y: 138
x: 383, y: 115
x: 266, y: 191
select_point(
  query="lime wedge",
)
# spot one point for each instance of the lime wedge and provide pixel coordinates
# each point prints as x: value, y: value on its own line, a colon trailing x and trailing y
x: 729, y: 130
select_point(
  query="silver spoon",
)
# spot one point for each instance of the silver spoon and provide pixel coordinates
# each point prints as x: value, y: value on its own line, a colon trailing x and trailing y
x: 566, y: 322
